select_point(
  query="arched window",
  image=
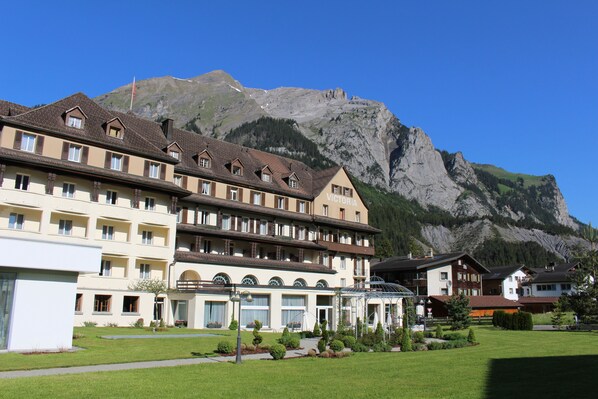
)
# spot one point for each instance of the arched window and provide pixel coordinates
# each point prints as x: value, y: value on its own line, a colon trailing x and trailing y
x: 321, y: 284
x: 299, y: 283
x: 221, y: 278
x: 276, y: 281
x: 249, y: 280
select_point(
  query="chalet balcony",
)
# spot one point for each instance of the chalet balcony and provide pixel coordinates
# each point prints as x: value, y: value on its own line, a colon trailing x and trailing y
x: 198, y: 285
x: 347, y: 248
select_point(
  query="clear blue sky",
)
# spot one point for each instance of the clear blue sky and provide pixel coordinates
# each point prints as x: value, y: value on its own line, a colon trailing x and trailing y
x: 512, y: 83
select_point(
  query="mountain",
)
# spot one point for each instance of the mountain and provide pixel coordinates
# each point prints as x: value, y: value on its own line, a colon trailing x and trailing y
x: 321, y: 127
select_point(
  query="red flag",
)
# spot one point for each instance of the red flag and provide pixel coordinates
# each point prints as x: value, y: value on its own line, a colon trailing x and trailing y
x: 133, y: 91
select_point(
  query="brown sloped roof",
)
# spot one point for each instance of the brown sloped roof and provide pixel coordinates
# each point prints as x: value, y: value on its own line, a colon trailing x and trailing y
x: 483, y: 301
x: 529, y: 300
x: 403, y: 263
x: 49, y: 118
x: 11, y: 109
x: 501, y: 272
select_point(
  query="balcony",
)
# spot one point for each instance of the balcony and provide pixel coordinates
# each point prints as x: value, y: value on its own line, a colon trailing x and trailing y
x: 198, y: 285
x: 347, y: 248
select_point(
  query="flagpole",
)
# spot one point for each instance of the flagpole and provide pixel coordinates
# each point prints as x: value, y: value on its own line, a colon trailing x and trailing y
x: 132, y: 94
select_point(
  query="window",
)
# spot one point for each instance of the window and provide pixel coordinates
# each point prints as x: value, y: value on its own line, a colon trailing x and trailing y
x: 325, y: 260
x: 293, y: 183
x: 257, y: 198
x: 154, y: 170
x: 444, y: 291
x: 111, y: 197
x: 245, y: 225
x: 207, y: 246
x: 266, y: 177
x: 206, y: 187
x: 259, y: 309
x: 511, y: 290
x: 175, y: 154
x: 358, y: 240
x: 225, y: 222
x: 237, y: 170
x: 78, y: 302
x: 178, y: 180
x: 74, y: 153
x: 444, y: 275
x: 341, y: 214
x: 107, y: 232
x: 15, y: 221
x: 263, y: 227
x: 299, y: 283
x: 510, y: 278
x: 74, y: 122
x: 106, y: 268
x: 150, y: 204
x: 343, y: 263
x: 359, y: 269
x: 65, y: 227
x: 325, y: 210
x: 204, y: 162
x: 347, y: 192
x: 302, y: 206
x: 280, y: 202
x: 116, y: 162
x: 147, y: 237
x: 276, y: 281
x: 301, y: 235
x: 101, y: 303
x: 68, y: 190
x: 293, y: 308
x: 357, y: 216
x: 565, y: 287
x: 321, y: 284
x: 343, y: 282
x: 130, y: 304
x: 114, y: 132
x: 144, y: 271
x: 343, y: 238
x: 280, y: 228
x: 249, y: 280
x: 22, y: 182
x: 234, y: 194
x: 28, y: 142
x: 179, y: 215
x: 204, y: 217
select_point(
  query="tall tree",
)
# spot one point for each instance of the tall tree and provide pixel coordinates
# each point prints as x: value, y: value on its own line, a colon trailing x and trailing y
x: 153, y: 286
x: 458, y: 311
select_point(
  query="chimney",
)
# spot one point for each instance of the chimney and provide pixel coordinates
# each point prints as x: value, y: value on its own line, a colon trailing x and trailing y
x: 167, y: 128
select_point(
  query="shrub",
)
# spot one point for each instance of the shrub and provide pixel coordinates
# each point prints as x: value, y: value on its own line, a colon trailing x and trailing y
x: 325, y: 332
x: 180, y: 323
x: 379, y: 331
x: 311, y: 353
x: 257, y: 337
x: 78, y: 335
x: 138, y: 323
x: 286, y: 333
x: 89, y: 324
x: 278, y: 351
x: 349, y: 341
x: 420, y: 347
x: 111, y: 325
x: 438, y: 332
x: 293, y: 343
x: 396, y: 337
x: 453, y: 336
x: 265, y: 347
x: 418, y: 337
x: 163, y: 325
x: 224, y: 347
x: 471, y: 337
x: 406, y: 342
x: 370, y: 339
x: 214, y: 324
x: 337, y: 345
x: 322, y: 345
x: 250, y: 347
x: 382, y: 347
x: 359, y: 347
x: 433, y: 346
x: 317, y: 331
x: 234, y: 324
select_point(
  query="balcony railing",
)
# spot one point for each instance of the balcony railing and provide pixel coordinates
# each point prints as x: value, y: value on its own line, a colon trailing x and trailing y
x: 347, y: 248
x: 197, y: 285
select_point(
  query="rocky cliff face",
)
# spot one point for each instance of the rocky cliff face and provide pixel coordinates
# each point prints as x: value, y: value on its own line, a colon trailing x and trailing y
x: 361, y: 134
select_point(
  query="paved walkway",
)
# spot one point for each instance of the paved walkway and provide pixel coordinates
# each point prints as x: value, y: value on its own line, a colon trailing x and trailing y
x: 306, y: 344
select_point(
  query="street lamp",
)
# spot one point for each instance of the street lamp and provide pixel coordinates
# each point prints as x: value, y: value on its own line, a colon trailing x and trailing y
x: 238, y: 296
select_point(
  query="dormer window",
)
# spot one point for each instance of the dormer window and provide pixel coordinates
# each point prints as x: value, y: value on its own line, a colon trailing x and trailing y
x: 235, y: 167
x: 115, y: 128
x: 75, y: 122
x: 237, y: 170
x: 293, y: 183
x: 114, y: 132
x: 265, y: 174
x: 175, y: 154
x: 204, y: 162
x: 266, y: 177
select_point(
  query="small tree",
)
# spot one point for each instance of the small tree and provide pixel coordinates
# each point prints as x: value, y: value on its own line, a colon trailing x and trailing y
x: 458, y: 311
x: 471, y: 337
x: 317, y: 331
x: 153, y: 286
x: 257, y: 337
x: 439, y: 334
x: 406, y: 341
x: 379, y: 331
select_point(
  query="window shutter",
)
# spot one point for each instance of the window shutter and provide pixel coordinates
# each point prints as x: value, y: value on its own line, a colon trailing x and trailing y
x: 18, y: 139
x: 39, y: 145
x: 239, y: 222
x: 286, y: 204
x: 162, y: 171
x: 263, y: 199
x: 252, y: 225
x: 85, y: 155
x: 213, y: 190
x: 146, y: 169
x: 240, y: 195
x: 126, y: 164
x: 296, y: 232
x: 107, y: 160
x: 227, y: 192
x: 306, y: 207
x: 270, y: 228
x: 199, y: 184
x: 65, y: 151
x: 185, y: 215
x: 297, y: 206
x: 185, y: 182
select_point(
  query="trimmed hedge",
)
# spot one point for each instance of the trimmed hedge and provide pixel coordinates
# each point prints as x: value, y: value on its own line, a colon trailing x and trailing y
x: 278, y: 351
x: 513, y: 321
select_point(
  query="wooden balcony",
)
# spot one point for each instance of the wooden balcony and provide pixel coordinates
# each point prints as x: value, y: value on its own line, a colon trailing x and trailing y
x: 198, y: 285
x: 347, y: 248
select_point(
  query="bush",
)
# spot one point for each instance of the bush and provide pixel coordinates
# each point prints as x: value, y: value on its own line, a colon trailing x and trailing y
x: 89, y: 324
x: 396, y: 337
x: 111, y: 324
x: 418, y: 337
x: 471, y: 337
x: 438, y: 332
x: 433, y: 346
x: 513, y: 321
x: 420, y: 347
x: 382, y: 347
x: 453, y: 336
x: 278, y: 351
x: 234, y: 324
x: 163, y: 325
x: 337, y: 345
x: 322, y: 345
x: 359, y: 347
x: 224, y: 347
x: 349, y: 341
x: 370, y: 339
x: 257, y: 337
x: 325, y: 332
x: 286, y: 333
x: 250, y: 347
x: 293, y: 343
x: 379, y: 331
x: 317, y: 331
x: 406, y: 342
x: 138, y: 323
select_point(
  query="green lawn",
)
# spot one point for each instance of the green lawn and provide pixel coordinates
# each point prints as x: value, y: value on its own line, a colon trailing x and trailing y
x: 546, y: 318
x: 515, y: 364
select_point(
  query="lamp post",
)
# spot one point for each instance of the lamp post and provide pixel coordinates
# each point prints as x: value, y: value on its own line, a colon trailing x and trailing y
x: 238, y: 296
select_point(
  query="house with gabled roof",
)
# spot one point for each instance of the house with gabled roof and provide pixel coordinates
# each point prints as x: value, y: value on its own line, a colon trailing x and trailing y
x: 505, y: 281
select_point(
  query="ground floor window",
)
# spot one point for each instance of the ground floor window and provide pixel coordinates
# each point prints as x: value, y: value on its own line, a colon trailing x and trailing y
x: 78, y: 302
x: 214, y: 314
x: 102, y: 303
x: 131, y: 304
x: 7, y: 288
x: 258, y: 309
x: 179, y: 310
x: 293, y: 308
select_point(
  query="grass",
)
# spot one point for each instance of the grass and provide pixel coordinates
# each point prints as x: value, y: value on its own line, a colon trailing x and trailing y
x: 528, y: 180
x: 97, y: 350
x: 529, y: 364
x: 546, y: 318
